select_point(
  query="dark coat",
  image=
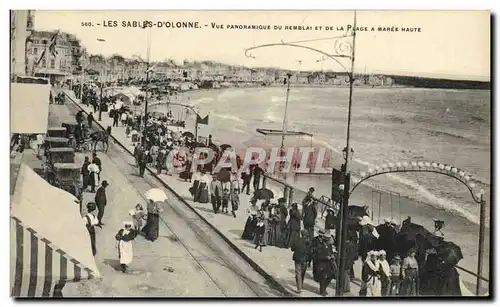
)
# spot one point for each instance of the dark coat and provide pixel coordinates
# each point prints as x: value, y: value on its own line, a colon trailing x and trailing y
x: 331, y: 221
x: 302, y: 250
x: 97, y: 162
x: 309, y: 213
x: 294, y: 221
x: 100, y: 197
x: 324, y: 267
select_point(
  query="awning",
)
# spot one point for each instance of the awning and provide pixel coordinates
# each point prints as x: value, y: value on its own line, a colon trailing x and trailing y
x: 49, y: 241
x: 26, y: 99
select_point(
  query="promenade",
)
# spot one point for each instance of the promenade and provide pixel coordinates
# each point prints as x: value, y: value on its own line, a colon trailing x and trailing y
x: 275, y: 261
x: 188, y: 259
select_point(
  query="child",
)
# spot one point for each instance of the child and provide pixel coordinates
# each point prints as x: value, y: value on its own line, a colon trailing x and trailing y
x: 225, y: 200
x: 138, y: 216
x: 395, y: 283
x: 260, y: 229
x: 127, y: 131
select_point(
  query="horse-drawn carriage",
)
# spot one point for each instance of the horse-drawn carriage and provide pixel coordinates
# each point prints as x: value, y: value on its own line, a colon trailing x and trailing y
x: 57, y: 132
x: 61, y: 155
x: 56, y: 142
x: 67, y: 177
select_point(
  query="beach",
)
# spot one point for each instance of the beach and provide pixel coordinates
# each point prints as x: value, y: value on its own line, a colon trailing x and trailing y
x: 388, y: 125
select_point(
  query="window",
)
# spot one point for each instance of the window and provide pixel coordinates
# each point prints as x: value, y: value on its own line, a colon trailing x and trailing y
x: 62, y: 64
x: 44, y: 42
x: 52, y: 63
x: 35, y: 51
x: 44, y: 63
x: 35, y: 41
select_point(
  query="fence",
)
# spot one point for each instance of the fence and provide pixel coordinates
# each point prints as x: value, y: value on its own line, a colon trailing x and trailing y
x: 382, y: 201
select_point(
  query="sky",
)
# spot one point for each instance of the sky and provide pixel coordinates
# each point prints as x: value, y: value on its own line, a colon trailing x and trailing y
x: 448, y: 44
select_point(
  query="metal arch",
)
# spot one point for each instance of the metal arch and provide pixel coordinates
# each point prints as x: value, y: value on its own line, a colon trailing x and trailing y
x: 333, y: 57
x: 474, y: 197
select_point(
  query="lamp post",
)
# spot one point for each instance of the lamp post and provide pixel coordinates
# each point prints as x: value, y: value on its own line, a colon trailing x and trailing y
x: 342, y: 49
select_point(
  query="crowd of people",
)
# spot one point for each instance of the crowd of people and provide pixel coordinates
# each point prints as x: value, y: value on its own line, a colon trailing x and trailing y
x: 271, y: 222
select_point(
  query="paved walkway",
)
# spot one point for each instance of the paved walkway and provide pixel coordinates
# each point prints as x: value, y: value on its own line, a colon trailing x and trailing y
x: 276, y: 261
x: 202, y: 262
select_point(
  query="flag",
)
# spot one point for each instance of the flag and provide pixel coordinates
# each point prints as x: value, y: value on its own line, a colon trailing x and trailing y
x: 202, y: 121
x: 52, y: 47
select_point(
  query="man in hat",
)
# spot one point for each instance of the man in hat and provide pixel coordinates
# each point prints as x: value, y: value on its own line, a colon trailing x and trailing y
x: 302, y: 258
x: 101, y: 201
x: 330, y: 220
x: 309, y: 214
x: 323, y: 261
x: 90, y: 223
x: 216, y: 193
x: 85, y: 173
x: 387, y: 238
x: 395, y: 269
x: 309, y: 196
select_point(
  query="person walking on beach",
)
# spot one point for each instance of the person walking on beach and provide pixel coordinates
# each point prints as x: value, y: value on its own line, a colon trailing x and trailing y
x: 124, y: 238
x: 90, y: 223
x: 101, y: 201
x: 302, y: 254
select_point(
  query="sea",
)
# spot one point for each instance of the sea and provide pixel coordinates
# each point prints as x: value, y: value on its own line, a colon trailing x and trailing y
x: 388, y: 125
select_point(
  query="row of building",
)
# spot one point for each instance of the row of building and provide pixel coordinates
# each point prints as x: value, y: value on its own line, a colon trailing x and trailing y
x: 31, y: 55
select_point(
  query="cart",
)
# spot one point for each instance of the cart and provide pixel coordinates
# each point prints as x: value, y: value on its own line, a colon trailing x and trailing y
x: 61, y: 155
x: 58, y: 132
x: 67, y: 177
x: 70, y: 129
x: 56, y: 142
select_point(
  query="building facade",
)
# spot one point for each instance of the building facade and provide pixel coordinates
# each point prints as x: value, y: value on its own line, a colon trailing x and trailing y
x: 21, y: 26
x: 58, y: 66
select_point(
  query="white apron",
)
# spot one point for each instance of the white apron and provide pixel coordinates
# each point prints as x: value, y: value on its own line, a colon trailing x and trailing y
x: 126, y: 252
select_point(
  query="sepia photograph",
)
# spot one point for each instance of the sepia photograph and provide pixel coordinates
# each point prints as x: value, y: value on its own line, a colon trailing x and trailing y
x: 250, y: 154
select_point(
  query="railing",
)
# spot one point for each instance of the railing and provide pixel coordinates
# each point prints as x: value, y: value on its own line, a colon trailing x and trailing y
x: 295, y: 195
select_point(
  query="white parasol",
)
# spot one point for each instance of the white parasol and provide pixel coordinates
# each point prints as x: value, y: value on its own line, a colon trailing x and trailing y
x: 156, y: 195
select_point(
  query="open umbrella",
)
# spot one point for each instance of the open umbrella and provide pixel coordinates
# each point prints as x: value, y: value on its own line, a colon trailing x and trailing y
x: 224, y: 147
x: 156, y: 195
x: 263, y: 194
x: 449, y: 252
x: 188, y: 134
x: 224, y: 175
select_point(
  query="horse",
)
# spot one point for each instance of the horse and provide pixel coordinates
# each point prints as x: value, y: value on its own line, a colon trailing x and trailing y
x: 101, y: 136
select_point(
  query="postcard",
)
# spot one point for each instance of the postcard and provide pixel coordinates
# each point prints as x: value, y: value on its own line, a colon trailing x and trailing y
x: 249, y: 154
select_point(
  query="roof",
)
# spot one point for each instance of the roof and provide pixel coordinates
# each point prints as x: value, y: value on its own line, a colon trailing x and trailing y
x: 47, y: 218
x: 28, y: 99
x: 282, y: 133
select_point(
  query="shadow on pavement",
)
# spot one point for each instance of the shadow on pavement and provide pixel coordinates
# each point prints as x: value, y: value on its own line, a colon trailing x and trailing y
x: 114, y: 263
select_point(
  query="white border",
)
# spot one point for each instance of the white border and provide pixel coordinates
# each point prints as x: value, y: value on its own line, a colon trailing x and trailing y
x: 197, y: 5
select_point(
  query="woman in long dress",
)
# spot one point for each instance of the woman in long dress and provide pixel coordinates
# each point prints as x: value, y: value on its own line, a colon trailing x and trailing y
x: 249, y: 230
x: 125, y: 237
x: 274, y: 226
x: 370, y: 275
x: 203, y: 196
x: 151, y: 230
x: 196, y: 185
x: 293, y: 227
x: 235, y: 194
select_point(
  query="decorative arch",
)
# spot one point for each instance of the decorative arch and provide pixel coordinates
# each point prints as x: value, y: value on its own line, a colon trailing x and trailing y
x: 424, y: 167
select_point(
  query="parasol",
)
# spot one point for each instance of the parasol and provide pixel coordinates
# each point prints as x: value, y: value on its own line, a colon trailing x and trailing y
x: 224, y: 175
x: 188, y: 134
x: 223, y: 147
x: 263, y: 194
x: 449, y: 252
x: 156, y: 195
